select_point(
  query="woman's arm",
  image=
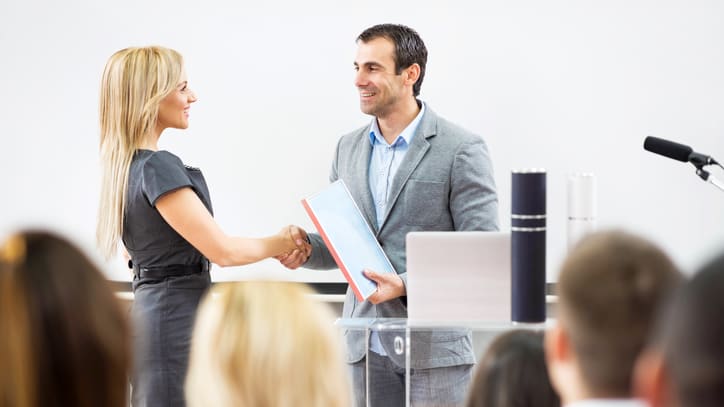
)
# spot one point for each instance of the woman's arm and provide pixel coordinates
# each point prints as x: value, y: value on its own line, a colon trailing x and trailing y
x: 187, y: 215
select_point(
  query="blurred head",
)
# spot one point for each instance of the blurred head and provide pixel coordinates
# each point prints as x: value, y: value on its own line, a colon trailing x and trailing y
x: 143, y: 91
x: 691, y: 338
x: 610, y: 288
x: 262, y: 343
x: 512, y: 373
x: 390, y: 66
x: 65, y: 340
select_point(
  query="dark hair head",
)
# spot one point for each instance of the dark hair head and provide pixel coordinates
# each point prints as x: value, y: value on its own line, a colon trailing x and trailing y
x: 64, y: 335
x: 513, y: 373
x: 610, y: 289
x: 409, y: 48
x: 693, y: 338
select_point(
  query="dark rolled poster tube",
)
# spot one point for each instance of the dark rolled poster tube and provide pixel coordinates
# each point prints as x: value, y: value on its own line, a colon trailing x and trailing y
x: 528, y: 246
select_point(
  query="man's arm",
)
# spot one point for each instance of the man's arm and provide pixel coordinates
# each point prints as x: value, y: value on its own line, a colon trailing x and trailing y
x: 473, y: 196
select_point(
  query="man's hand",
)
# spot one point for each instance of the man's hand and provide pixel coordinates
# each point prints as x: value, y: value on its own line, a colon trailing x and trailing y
x: 389, y: 286
x: 298, y: 256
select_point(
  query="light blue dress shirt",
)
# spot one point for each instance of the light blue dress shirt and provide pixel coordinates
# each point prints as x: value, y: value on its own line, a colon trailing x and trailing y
x: 384, y: 162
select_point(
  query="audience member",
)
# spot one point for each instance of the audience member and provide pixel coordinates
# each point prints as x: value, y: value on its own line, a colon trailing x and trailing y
x: 610, y: 289
x: 268, y: 344
x: 512, y: 373
x: 64, y: 339
x: 685, y: 365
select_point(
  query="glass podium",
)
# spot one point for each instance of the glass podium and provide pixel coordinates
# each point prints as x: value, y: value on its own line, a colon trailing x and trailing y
x: 411, y: 345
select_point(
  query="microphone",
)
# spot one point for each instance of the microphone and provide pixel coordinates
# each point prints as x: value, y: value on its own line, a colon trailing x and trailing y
x: 676, y: 151
x: 684, y: 153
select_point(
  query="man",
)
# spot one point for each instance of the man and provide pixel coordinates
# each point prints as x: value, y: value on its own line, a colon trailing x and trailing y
x: 685, y: 365
x: 610, y: 289
x: 409, y: 170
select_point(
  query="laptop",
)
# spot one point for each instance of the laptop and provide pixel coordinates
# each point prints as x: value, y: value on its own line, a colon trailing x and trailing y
x: 458, y: 276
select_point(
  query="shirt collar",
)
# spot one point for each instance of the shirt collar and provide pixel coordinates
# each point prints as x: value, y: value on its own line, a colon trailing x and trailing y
x: 407, y: 134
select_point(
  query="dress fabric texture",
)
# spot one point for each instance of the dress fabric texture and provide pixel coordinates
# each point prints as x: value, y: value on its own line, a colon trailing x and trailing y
x: 164, y: 306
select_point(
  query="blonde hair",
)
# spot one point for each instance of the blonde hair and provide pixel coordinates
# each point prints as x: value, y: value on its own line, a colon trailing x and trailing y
x: 135, y: 80
x: 266, y: 344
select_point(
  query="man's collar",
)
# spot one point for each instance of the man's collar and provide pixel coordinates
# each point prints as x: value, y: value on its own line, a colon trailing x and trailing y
x: 407, y: 133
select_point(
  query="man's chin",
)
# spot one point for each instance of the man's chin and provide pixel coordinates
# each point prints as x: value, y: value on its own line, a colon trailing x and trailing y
x: 367, y: 109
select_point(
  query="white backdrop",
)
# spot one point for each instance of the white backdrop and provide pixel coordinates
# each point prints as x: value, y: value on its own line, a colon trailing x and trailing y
x: 570, y: 86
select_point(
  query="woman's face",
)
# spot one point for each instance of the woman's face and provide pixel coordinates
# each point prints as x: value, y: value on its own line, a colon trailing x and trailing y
x: 173, y: 111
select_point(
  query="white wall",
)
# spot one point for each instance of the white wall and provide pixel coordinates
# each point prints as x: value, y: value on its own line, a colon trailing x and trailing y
x: 565, y: 85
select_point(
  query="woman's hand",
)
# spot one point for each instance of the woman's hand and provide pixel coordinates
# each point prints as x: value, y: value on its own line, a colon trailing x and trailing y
x: 294, y: 258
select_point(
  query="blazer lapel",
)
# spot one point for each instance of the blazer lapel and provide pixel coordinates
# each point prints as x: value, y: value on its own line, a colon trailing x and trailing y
x: 360, y: 187
x: 418, y: 149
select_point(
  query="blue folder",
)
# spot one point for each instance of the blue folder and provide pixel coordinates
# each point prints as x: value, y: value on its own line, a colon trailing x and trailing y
x: 348, y: 237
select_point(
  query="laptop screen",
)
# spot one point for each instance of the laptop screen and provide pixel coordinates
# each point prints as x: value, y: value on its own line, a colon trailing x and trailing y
x: 458, y: 276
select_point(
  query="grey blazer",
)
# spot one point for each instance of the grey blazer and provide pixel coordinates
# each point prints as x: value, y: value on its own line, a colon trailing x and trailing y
x: 444, y: 183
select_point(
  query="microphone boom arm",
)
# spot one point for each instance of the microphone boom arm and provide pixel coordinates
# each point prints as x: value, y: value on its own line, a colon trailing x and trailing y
x: 704, y: 174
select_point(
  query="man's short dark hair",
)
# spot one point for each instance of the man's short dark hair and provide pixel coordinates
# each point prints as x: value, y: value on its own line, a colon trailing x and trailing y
x: 610, y: 290
x: 409, y: 48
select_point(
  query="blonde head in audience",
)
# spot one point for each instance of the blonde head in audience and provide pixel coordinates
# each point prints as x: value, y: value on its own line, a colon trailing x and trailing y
x: 610, y: 289
x: 512, y: 373
x: 134, y: 83
x: 263, y: 343
x: 64, y: 339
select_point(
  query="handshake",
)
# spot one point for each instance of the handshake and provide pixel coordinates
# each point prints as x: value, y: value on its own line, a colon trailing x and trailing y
x: 389, y: 285
x: 298, y: 247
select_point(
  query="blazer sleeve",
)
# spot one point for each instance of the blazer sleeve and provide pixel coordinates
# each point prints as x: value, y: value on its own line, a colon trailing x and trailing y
x: 473, y: 196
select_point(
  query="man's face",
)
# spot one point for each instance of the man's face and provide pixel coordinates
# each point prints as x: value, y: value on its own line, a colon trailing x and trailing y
x: 380, y: 89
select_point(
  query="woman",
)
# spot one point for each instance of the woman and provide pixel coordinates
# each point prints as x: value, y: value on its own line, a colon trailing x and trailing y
x: 161, y: 209
x: 265, y: 343
x: 513, y: 373
x: 64, y: 338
